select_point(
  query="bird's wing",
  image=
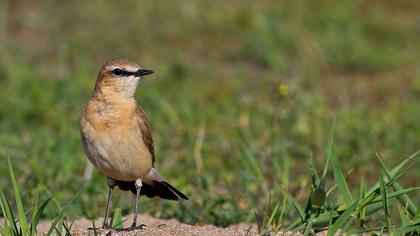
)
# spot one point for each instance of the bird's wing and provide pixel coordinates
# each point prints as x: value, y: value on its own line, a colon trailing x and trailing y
x: 143, y: 126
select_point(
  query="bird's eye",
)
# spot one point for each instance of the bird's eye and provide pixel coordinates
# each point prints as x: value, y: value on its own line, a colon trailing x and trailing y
x: 117, y: 72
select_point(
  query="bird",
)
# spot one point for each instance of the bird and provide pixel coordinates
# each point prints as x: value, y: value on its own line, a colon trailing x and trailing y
x: 116, y: 137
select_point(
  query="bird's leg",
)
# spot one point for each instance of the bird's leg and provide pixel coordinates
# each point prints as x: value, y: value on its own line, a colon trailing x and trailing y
x: 108, y: 205
x: 138, y: 184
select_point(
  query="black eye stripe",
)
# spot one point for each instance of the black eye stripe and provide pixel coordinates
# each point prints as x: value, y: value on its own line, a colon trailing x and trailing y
x: 117, y: 72
x: 120, y: 72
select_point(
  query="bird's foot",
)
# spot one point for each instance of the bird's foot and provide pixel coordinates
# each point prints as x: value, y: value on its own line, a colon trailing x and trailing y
x: 132, y: 228
x: 106, y: 226
x: 136, y: 227
x: 102, y: 229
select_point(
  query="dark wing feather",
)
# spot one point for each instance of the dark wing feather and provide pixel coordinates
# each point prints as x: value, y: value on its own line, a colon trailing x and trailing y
x: 145, y: 132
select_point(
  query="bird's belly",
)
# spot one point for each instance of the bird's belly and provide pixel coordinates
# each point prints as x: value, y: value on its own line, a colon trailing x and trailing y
x: 121, y: 156
x: 125, y: 169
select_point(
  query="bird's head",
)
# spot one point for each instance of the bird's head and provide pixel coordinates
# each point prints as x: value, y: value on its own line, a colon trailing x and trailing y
x: 120, y: 77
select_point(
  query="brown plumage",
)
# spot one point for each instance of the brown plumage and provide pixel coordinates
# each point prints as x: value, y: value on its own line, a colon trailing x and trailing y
x: 116, y: 136
x: 145, y: 132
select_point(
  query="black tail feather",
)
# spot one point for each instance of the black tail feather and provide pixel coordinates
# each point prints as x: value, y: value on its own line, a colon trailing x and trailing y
x: 160, y: 189
x: 175, y: 190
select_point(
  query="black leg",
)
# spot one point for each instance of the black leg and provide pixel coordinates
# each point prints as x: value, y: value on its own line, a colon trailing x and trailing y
x: 108, y: 205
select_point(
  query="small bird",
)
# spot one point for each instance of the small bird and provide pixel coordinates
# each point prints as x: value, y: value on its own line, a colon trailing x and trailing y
x: 116, y: 137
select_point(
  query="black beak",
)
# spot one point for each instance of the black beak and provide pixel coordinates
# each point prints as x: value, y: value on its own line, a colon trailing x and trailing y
x: 143, y: 72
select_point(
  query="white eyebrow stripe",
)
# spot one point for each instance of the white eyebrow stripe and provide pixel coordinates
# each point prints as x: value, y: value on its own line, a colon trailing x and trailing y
x: 130, y: 69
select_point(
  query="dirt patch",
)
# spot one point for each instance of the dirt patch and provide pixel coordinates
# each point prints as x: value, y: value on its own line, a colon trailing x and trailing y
x: 165, y: 227
x: 153, y: 227
x: 159, y: 227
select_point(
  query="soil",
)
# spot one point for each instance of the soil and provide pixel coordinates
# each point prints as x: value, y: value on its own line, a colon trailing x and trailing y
x: 162, y: 228
x: 154, y: 226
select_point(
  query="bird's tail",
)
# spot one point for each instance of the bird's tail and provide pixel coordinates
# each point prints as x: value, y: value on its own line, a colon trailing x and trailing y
x: 160, y: 189
x: 153, y: 185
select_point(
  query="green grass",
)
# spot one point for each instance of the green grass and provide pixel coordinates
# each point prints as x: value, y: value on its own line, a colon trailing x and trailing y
x: 25, y: 223
x: 351, y: 215
x: 241, y: 107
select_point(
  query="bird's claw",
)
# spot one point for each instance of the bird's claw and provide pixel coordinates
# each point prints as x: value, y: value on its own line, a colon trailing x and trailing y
x: 106, y: 226
x: 136, y: 227
x: 131, y: 228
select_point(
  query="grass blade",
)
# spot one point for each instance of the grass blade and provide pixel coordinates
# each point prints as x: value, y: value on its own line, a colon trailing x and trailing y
x: 347, y: 225
x: 67, y: 228
x: 267, y: 208
x: 9, y: 218
x: 341, y: 182
x: 404, y: 199
x: 21, y: 213
x: 95, y: 232
x: 403, y: 216
x: 39, y: 211
x: 342, y: 219
x: 385, y: 203
x: 308, y: 228
x: 249, y: 160
x: 375, y: 192
x: 116, y: 220
x: 294, y: 203
x: 395, y: 170
x: 34, y: 211
x: 329, y: 151
x: 315, y: 177
x: 58, y: 220
x: 334, y: 187
x: 362, y: 194
x: 276, y: 208
x: 405, y: 230
x: 397, y: 194
x: 285, y: 179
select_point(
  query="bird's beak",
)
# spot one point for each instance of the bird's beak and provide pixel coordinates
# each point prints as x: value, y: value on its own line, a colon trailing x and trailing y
x: 143, y: 72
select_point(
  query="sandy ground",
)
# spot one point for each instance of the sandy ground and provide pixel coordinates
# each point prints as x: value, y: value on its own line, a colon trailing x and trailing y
x: 160, y: 227
x: 157, y: 227
x: 163, y: 228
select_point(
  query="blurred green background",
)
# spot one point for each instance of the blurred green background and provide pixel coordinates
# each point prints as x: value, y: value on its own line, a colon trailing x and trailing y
x: 243, y: 91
